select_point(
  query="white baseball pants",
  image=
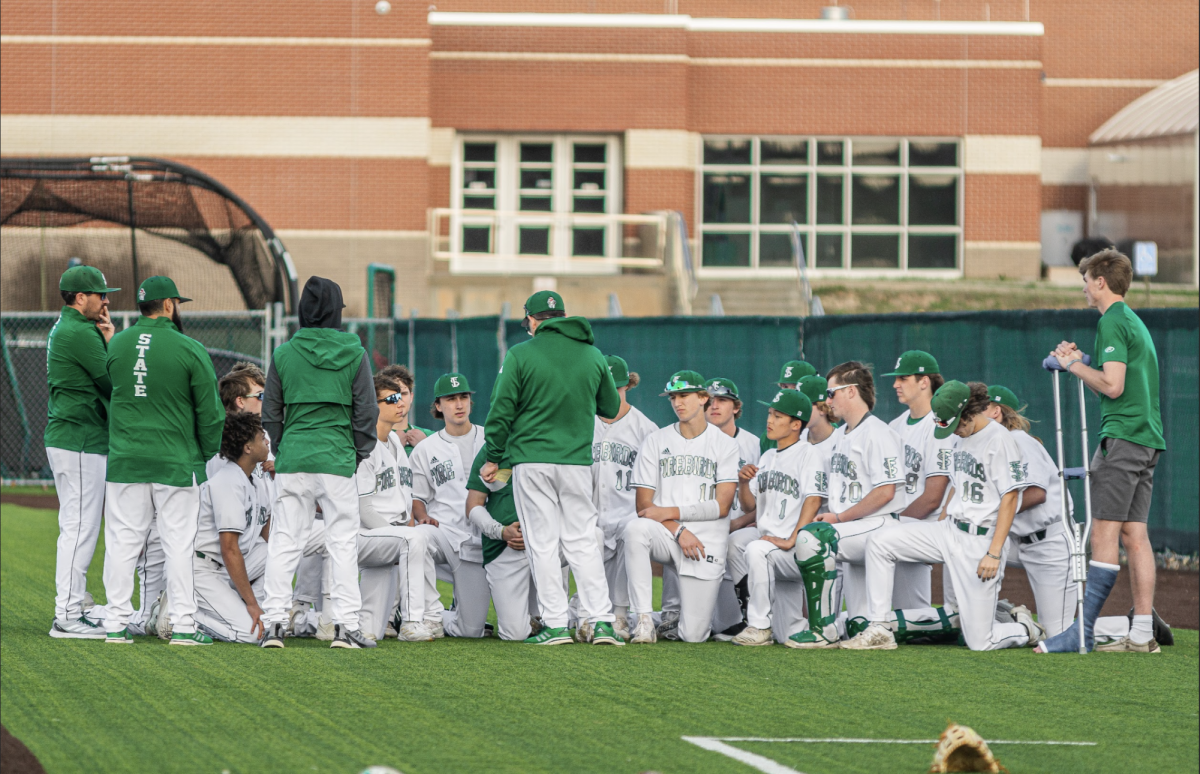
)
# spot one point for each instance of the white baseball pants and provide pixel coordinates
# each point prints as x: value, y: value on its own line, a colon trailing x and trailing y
x: 735, y: 560
x: 291, y: 520
x: 152, y: 578
x: 129, y: 511
x: 79, y: 481
x: 471, y: 594
x: 513, y: 594
x: 647, y: 541
x: 614, y: 573
x: 388, y: 556
x: 776, y: 590
x: 1047, y: 563
x: 941, y: 541
x: 555, y: 508
x: 221, y: 610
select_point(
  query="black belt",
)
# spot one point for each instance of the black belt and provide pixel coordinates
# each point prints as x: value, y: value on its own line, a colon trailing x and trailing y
x: 1033, y: 537
x: 970, y: 528
x: 209, y: 558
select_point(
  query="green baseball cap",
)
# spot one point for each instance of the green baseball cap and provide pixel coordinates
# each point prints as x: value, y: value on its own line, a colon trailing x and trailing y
x: 722, y: 388
x: 793, y: 370
x: 684, y: 381
x: 158, y: 288
x: 814, y: 388
x: 998, y: 393
x: 544, y: 301
x: 915, y: 363
x: 948, y: 404
x: 450, y: 384
x: 84, y: 279
x: 619, y: 369
x: 791, y: 402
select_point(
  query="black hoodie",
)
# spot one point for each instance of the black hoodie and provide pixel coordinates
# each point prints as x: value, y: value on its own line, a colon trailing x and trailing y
x: 321, y: 304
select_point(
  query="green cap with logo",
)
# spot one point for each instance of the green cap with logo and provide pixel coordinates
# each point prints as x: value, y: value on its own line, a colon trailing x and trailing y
x: 450, y: 384
x: 794, y: 370
x: 684, y: 381
x: 544, y: 301
x: 998, y: 393
x: 619, y: 369
x: 158, y: 288
x: 814, y: 388
x: 915, y: 363
x: 84, y: 279
x: 948, y: 404
x: 791, y: 402
x: 722, y: 388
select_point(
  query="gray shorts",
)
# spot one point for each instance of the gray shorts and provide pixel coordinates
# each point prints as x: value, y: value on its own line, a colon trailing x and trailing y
x: 1122, y: 480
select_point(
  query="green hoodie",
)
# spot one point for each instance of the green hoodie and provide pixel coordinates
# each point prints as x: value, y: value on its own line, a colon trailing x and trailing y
x: 546, y: 395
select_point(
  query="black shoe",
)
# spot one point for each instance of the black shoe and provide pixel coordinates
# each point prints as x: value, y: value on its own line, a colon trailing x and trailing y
x: 272, y: 636
x: 1162, y: 631
x: 344, y: 638
x: 730, y: 633
x: 489, y: 630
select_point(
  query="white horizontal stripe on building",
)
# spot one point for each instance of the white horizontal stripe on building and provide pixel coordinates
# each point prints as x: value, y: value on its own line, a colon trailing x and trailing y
x: 1002, y: 154
x: 207, y: 40
x: 1105, y: 83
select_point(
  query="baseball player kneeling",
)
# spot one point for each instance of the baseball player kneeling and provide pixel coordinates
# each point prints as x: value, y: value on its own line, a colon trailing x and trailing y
x: 686, y: 477
x: 970, y: 538
x: 786, y: 493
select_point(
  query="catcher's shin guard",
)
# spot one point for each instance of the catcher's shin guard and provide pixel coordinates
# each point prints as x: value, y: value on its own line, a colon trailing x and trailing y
x: 924, y: 626
x: 816, y: 551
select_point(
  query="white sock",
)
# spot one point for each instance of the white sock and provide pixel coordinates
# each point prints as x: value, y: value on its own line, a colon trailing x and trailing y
x: 1142, y: 630
x: 1105, y: 565
x: 621, y: 613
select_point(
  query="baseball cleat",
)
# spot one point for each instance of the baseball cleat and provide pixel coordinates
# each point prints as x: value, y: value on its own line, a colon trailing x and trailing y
x: 119, y: 638
x: 158, y: 624
x: 603, y: 634
x: 414, y: 631
x: 325, y: 631
x: 535, y: 624
x: 583, y: 632
x: 807, y: 640
x: 1004, y: 612
x: 345, y: 638
x: 79, y: 629
x: 551, y: 636
x: 191, y: 638
x: 1126, y: 645
x: 1036, y: 631
x: 729, y: 634
x: 670, y: 620
x: 874, y: 637
x: 644, y: 633
x: 752, y: 636
x: 434, y: 625
x: 621, y: 628
x: 272, y: 636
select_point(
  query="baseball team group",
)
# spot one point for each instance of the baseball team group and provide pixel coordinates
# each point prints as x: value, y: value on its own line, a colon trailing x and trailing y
x: 306, y: 502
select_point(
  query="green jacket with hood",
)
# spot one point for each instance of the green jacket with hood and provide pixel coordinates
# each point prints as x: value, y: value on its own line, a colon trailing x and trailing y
x: 547, y: 394
x: 319, y: 404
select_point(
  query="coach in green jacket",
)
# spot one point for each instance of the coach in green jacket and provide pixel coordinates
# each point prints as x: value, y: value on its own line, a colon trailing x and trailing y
x: 165, y: 422
x: 76, y: 438
x: 543, y: 404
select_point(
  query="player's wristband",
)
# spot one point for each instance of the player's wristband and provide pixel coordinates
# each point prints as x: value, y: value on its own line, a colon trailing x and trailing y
x: 708, y: 510
x: 1073, y: 362
x: 989, y: 556
x: 679, y: 532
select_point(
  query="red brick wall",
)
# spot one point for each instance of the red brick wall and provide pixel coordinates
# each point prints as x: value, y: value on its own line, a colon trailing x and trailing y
x: 1002, y: 208
x: 647, y: 190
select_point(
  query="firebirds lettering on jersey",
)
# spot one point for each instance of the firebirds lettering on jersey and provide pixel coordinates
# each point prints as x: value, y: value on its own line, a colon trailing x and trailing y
x: 840, y: 463
x: 965, y: 462
x: 406, y: 477
x: 385, y: 479
x: 687, y: 465
x: 441, y: 472
x: 611, y: 451
x: 778, y: 481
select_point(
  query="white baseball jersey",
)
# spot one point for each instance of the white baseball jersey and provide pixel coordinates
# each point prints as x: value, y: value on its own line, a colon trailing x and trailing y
x: 684, y: 471
x: 1042, y: 471
x: 924, y: 455
x: 987, y: 465
x: 860, y: 460
x: 229, y: 502
x: 262, y: 479
x: 440, y: 481
x: 382, y: 476
x: 785, y: 480
x: 749, y: 453
x: 614, y: 450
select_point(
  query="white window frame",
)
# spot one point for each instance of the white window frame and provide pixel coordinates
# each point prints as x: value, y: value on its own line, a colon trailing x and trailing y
x: 809, y: 230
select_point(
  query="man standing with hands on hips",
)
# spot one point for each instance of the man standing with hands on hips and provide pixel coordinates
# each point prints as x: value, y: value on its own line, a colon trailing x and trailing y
x: 76, y: 438
x: 1125, y: 376
x: 165, y: 423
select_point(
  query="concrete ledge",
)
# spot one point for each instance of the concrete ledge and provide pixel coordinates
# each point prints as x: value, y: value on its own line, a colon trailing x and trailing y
x: 1002, y: 260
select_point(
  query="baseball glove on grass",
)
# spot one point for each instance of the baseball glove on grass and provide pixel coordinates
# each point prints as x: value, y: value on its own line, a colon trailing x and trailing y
x: 959, y: 748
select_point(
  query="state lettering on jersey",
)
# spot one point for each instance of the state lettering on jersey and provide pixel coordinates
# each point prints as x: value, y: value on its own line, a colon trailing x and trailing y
x: 778, y: 481
x: 441, y: 472
x: 687, y: 465
x: 139, y: 367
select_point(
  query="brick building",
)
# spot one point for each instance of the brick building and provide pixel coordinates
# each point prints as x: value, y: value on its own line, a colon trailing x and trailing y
x: 487, y: 148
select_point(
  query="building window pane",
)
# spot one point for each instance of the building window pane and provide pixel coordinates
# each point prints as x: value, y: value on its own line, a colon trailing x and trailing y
x: 590, y: 154
x: 479, y: 151
x: 479, y: 179
x: 587, y: 241
x: 875, y: 200
x: 932, y: 154
x: 589, y: 180
x: 829, y: 251
x: 933, y: 200
x: 775, y: 250
x: 726, y: 151
x: 783, y: 199
x: 726, y: 250
x: 536, y: 178
x: 875, y: 251
x: 477, y: 239
x: 535, y: 203
x: 932, y: 251
x: 726, y: 198
x: 479, y: 202
x: 589, y: 204
x: 830, y: 152
x: 877, y: 153
x: 536, y: 153
x: 535, y: 240
x: 829, y: 200
x: 784, y: 152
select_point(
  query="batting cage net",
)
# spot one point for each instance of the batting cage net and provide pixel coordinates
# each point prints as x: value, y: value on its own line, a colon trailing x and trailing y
x: 134, y: 218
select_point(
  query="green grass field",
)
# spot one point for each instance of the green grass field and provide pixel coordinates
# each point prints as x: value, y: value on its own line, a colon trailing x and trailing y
x: 468, y: 706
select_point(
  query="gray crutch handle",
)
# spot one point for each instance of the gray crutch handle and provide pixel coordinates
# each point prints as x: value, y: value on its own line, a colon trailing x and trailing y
x: 1051, y: 363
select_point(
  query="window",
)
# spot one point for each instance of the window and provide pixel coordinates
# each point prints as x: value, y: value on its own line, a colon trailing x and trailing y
x: 514, y: 191
x: 872, y: 203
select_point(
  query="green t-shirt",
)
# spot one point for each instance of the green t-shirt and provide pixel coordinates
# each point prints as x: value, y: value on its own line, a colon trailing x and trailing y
x: 765, y: 443
x: 1122, y: 337
x: 77, y: 373
x: 408, y: 449
x: 499, y: 504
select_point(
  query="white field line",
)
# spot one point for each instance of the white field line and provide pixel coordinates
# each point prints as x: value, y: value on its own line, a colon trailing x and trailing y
x: 718, y: 744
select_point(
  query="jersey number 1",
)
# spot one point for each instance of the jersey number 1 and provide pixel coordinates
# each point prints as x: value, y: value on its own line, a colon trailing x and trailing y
x: 628, y: 479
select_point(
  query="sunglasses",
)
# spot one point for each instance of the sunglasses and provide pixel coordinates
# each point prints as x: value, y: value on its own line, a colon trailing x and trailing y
x: 103, y: 296
x: 943, y: 423
x: 720, y: 390
x: 829, y: 392
x: 255, y: 395
x: 392, y: 399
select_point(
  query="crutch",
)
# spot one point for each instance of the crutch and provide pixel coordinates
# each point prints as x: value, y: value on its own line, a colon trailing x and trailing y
x: 1079, y: 532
